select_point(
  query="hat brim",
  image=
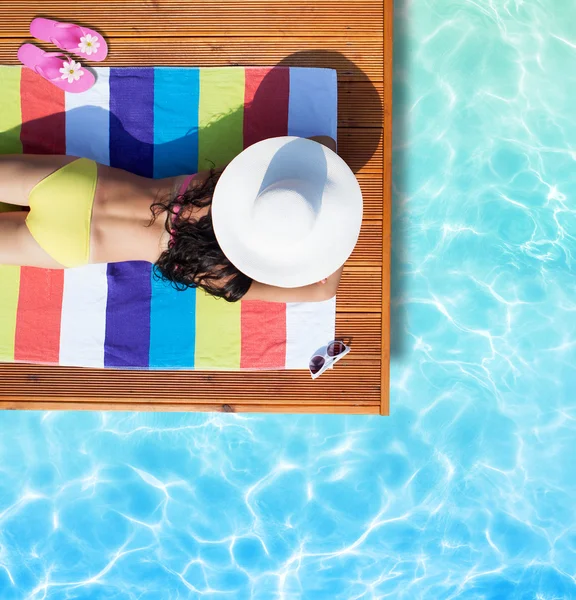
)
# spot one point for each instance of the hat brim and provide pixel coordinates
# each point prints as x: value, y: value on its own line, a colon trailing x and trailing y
x: 308, y: 259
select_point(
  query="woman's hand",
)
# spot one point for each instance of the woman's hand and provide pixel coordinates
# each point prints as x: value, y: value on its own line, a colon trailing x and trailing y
x: 315, y: 292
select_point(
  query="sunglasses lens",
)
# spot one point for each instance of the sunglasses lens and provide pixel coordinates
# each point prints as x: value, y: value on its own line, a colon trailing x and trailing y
x: 316, y: 364
x: 336, y: 348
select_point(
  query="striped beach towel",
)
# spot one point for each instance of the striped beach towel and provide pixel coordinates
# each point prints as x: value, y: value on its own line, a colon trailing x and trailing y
x: 156, y: 122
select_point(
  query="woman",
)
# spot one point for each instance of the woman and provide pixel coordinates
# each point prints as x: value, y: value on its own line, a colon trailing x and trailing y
x: 82, y: 212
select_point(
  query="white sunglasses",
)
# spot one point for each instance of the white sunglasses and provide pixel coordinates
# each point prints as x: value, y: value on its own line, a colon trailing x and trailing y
x: 327, y: 357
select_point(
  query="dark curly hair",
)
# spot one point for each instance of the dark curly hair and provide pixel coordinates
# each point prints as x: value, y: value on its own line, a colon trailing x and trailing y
x: 194, y: 257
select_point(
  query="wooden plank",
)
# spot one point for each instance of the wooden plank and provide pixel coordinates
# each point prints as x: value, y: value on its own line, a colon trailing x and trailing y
x: 183, y: 402
x: 82, y: 404
x: 368, y: 250
x: 372, y: 186
x: 360, y: 291
x: 362, y: 149
x: 387, y: 53
x: 73, y: 381
x: 342, y: 385
x: 363, y: 330
x: 220, y: 18
x: 360, y: 104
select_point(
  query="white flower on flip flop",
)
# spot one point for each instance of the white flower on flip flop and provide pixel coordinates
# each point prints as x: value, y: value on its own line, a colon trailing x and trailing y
x: 89, y: 44
x: 71, y: 71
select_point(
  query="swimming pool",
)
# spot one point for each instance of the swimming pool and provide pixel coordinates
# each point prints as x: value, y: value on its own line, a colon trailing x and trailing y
x: 468, y: 490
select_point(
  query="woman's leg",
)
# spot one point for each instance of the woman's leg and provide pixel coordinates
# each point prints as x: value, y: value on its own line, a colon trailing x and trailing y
x: 20, y: 173
x: 18, y: 247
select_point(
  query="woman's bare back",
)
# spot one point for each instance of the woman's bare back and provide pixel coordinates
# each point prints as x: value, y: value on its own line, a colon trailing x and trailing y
x: 121, y: 213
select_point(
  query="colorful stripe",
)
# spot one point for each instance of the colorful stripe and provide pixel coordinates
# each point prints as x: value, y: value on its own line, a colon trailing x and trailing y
x: 266, y: 104
x: 10, y: 112
x: 220, y: 116
x: 39, y: 311
x: 220, y: 139
x: 267, y: 349
x: 10, y: 120
x: 307, y: 329
x: 127, y: 342
x: 172, y: 326
x: 265, y: 116
x: 43, y: 128
x: 9, y: 292
x: 218, y: 335
x: 88, y: 120
x: 176, y: 94
x: 313, y: 102
x: 83, y: 325
x: 132, y: 120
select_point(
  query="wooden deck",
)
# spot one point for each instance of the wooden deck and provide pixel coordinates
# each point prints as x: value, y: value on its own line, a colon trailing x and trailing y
x: 353, y: 36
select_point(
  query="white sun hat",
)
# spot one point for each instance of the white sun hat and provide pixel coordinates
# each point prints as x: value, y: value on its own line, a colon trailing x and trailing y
x: 287, y: 211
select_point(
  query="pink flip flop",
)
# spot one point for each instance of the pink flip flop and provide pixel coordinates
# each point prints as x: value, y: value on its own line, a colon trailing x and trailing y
x: 59, y: 69
x: 70, y: 38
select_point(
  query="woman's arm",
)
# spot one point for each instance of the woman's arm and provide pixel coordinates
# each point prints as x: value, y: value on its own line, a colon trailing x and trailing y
x: 316, y: 292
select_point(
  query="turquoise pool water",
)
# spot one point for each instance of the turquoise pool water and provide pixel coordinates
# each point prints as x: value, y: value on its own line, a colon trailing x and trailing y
x: 468, y: 490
